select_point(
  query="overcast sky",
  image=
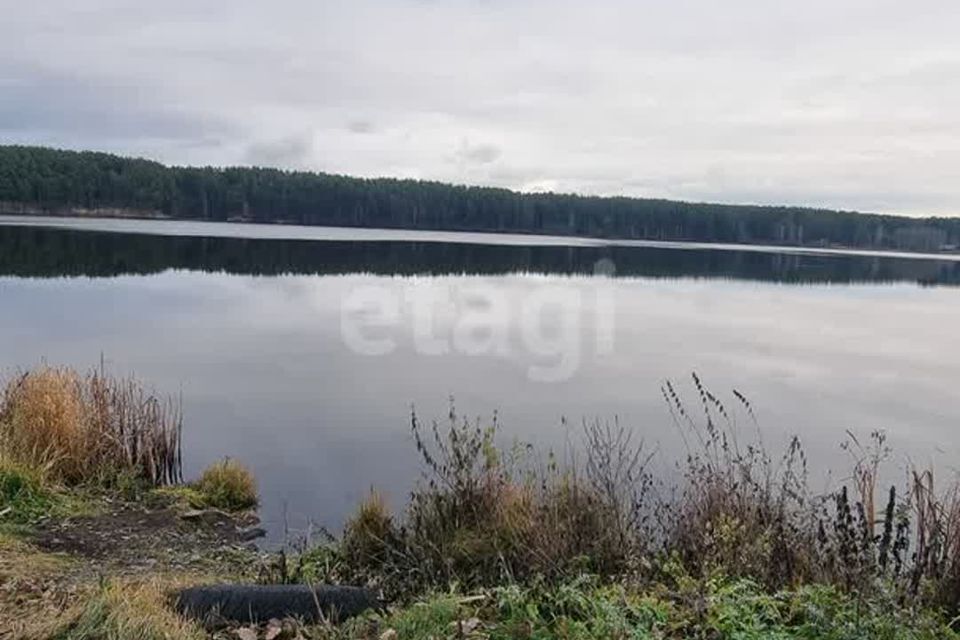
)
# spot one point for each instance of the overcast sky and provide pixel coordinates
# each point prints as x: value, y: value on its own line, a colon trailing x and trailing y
x: 841, y: 103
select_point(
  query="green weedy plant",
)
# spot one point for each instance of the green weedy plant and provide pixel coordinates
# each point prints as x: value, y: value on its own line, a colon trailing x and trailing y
x: 717, y: 608
x: 734, y: 543
x: 431, y: 618
x: 580, y: 608
x: 484, y: 516
x: 737, y: 508
x: 740, y: 609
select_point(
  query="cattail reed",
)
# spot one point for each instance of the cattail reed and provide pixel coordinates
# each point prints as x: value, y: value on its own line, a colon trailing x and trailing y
x: 91, y: 428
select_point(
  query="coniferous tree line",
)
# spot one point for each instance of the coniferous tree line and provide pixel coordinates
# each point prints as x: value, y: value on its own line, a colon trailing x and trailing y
x: 38, y: 180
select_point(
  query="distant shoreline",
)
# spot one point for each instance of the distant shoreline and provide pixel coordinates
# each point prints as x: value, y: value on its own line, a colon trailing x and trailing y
x: 112, y: 221
x: 45, y: 181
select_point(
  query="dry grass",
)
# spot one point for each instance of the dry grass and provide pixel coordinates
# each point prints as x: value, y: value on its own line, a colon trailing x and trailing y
x: 45, y: 423
x: 37, y: 589
x: 130, y: 610
x: 91, y: 428
x: 228, y: 485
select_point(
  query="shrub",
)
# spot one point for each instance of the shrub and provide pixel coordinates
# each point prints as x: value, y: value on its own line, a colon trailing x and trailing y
x: 228, y: 485
x: 737, y: 509
x: 484, y: 515
x: 369, y: 538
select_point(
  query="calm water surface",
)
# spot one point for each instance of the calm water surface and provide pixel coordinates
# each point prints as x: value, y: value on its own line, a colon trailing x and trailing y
x: 260, y: 333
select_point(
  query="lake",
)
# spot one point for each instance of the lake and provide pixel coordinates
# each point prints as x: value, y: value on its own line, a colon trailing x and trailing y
x: 300, y: 351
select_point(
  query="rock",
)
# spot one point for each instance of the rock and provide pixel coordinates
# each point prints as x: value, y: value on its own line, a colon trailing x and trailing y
x: 465, y: 627
x: 274, y: 629
x: 247, y: 633
x: 247, y: 519
x: 389, y: 634
x: 214, y: 517
x: 291, y: 630
x: 251, y: 533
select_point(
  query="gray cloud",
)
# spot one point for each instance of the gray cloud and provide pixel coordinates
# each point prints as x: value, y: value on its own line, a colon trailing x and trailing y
x: 293, y: 152
x: 360, y: 126
x: 37, y: 100
x: 477, y: 154
x: 853, y: 104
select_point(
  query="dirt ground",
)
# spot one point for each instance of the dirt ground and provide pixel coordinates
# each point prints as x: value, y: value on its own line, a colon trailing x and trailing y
x: 127, y: 537
x: 50, y: 566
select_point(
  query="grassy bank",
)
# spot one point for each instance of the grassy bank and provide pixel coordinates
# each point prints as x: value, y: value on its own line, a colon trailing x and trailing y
x: 91, y: 493
x: 740, y: 547
x: 65, y: 435
x: 583, y: 609
x: 504, y: 541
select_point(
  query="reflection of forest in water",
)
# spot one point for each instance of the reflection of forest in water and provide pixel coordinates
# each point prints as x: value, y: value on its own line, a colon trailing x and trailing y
x: 42, y: 252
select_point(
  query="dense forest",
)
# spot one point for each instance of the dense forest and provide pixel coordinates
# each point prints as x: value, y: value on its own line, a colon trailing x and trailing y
x: 42, y: 180
x: 52, y: 253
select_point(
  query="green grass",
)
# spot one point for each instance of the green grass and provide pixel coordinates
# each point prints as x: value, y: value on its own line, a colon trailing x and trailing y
x: 584, y: 609
x: 514, y: 552
x: 25, y: 497
x: 22, y: 494
x: 181, y: 496
x: 430, y: 618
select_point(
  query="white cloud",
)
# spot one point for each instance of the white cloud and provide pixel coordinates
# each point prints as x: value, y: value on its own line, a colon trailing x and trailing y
x: 853, y: 104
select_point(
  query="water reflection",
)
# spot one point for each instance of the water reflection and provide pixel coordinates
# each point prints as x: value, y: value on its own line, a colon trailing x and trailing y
x: 47, y: 252
x: 267, y: 377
